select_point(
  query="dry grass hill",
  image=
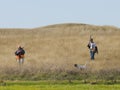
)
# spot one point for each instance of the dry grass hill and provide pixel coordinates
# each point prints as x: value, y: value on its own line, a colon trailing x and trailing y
x: 58, y: 47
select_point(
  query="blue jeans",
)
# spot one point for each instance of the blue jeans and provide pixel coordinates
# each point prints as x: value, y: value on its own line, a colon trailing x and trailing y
x: 92, y: 54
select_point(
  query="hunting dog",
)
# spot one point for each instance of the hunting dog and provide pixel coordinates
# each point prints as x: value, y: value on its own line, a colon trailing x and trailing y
x: 80, y: 66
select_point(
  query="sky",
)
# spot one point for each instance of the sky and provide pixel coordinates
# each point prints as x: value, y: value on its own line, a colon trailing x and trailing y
x: 38, y: 13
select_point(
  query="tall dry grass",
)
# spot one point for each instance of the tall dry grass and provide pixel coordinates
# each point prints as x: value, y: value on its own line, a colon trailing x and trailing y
x: 57, y: 48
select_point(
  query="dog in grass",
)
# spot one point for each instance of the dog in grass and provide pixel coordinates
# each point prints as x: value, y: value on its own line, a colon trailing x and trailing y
x: 81, y: 66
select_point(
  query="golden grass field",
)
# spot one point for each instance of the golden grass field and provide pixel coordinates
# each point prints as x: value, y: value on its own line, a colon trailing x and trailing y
x: 59, y: 47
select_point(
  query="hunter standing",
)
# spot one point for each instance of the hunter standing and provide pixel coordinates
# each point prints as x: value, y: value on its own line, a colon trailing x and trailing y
x: 93, y: 49
x: 20, y: 55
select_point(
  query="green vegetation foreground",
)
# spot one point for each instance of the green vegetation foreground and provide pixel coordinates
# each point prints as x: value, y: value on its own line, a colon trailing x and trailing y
x: 62, y: 85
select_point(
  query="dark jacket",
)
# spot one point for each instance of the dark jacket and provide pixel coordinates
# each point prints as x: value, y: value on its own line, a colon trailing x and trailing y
x: 20, y: 51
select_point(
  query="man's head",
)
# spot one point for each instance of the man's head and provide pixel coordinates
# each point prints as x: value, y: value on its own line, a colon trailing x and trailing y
x: 91, y: 40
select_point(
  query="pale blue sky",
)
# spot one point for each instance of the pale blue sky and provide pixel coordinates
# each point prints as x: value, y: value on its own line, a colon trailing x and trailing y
x: 37, y: 13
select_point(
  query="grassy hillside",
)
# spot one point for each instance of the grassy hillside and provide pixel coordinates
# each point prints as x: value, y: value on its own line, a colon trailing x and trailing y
x: 56, y: 48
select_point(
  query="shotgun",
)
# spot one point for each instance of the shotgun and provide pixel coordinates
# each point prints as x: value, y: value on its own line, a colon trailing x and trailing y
x: 89, y: 42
